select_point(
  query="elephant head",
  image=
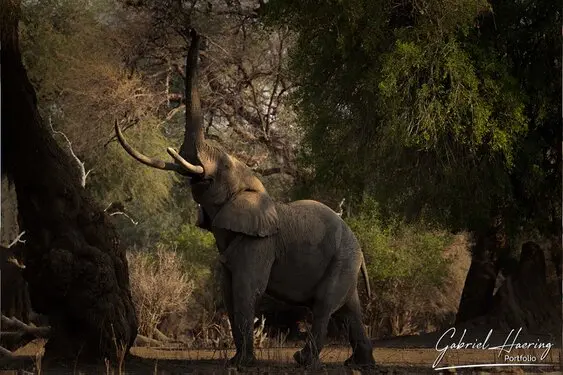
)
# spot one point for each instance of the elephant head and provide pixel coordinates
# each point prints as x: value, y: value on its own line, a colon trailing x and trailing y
x: 231, y: 196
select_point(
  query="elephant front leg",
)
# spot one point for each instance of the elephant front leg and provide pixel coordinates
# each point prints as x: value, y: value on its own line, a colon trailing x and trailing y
x: 242, y: 323
x: 248, y: 262
x: 242, y: 333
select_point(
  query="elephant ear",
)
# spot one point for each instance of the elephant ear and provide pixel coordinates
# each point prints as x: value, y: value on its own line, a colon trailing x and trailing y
x: 250, y: 212
x: 203, y: 220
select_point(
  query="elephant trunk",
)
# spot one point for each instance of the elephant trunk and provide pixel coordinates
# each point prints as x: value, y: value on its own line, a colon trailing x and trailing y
x: 188, y: 160
x: 194, y: 145
x: 193, y: 136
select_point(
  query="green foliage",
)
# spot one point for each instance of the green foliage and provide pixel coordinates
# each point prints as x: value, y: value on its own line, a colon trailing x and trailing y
x: 399, y: 251
x: 436, y: 99
x: 438, y: 110
x: 197, y: 248
x: 146, y: 193
x: 59, y: 39
x: 120, y: 178
x: 74, y: 52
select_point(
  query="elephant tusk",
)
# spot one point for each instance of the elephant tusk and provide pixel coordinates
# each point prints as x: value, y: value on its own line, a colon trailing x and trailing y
x: 197, y: 169
x: 155, y: 163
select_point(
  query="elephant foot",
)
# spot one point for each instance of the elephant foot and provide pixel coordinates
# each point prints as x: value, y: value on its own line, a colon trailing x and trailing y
x: 363, y: 360
x: 306, y: 359
x: 240, y: 360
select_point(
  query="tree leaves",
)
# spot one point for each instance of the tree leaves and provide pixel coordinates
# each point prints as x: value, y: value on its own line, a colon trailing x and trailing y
x: 424, y: 105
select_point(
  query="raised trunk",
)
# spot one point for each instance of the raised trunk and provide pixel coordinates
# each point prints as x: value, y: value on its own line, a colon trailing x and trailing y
x: 193, y: 136
x: 76, y: 270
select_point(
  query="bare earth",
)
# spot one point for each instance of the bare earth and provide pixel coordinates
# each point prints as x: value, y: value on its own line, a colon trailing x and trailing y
x: 409, y: 355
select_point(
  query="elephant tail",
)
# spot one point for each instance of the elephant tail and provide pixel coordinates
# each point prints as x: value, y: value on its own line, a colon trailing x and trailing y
x: 366, y: 276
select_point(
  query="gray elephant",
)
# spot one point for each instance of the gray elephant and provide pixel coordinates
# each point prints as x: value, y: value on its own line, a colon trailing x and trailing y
x: 301, y: 252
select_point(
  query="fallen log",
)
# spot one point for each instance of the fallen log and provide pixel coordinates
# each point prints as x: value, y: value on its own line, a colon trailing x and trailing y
x: 19, y: 326
x: 158, y: 335
x: 14, y: 334
x: 142, y: 340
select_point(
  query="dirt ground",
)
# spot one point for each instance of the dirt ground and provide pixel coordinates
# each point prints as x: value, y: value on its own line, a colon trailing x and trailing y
x: 407, y: 355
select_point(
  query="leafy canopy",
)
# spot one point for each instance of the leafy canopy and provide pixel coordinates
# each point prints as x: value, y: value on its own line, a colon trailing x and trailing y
x: 424, y: 105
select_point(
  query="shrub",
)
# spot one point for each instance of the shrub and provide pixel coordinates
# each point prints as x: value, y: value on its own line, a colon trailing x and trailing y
x: 409, y: 271
x: 199, y: 259
x: 159, y: 286
x: 197, y: 248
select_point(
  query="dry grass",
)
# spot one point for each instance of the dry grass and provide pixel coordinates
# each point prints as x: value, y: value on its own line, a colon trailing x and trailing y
x: 390, y: 360
x: 159, y: 286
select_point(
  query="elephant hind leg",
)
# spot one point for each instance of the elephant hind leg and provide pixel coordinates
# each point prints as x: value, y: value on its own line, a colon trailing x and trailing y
x: 362, y: 349
x: 329, y: 297
x: 309, y: 355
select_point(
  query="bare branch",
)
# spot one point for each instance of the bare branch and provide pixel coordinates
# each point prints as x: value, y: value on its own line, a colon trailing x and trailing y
x: 124, y: 214
x: 18, y: 239
x: 119, y: 207
x: 86, y: 175
x: 142, y: 340
x: 20, y: 333
x: 248, y: 81
x: 161, y: 336
x: 5, y: 353
x: 341, y: 207
x: 21, y: 327
x: 246, y: 86
x: 83, y: 173
x: 167, y: 85
x: 270, y: 111
x: 271, y: 171
x: 173, y: 112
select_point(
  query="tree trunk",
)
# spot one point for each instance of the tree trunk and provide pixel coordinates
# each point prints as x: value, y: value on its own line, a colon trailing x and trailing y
x: 14, y: 295
x: 76, y: 270
x: 477, y: 297
x: 9, y: 229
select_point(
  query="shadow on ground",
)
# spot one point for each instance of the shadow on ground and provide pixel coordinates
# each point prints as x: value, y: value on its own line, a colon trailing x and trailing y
x: 138, y: 365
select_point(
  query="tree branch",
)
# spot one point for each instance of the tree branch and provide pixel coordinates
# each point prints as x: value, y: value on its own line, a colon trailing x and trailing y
x: 124, y: 214
x: 21, y: 327
x: 19, y: 333
x: 83, y: 172
x: 271, y: 171
x: 341, y: 207
x: 119, y: 210
x: 18, y: 239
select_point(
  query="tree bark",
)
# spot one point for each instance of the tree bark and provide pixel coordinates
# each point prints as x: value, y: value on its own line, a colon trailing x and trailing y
x: 75, y: 267
x: 14, y: 295
x: 477, y: 297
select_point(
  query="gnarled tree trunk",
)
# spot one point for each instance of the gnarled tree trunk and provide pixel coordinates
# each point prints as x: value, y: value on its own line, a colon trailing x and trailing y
x: 14, y: 295
x: 76, y: 270
x: 477, y: 297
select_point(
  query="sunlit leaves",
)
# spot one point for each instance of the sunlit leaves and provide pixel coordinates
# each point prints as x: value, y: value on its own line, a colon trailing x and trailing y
x: 418, y: 103
x: 118, y: 177
x: 435, y: 93
x: 74, y: 61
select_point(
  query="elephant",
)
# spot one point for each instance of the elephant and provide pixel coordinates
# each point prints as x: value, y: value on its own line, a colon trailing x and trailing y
x: 300, y: 252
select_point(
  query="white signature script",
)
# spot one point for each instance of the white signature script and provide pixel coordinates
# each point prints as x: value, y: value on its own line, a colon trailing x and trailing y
x: 442, y: 346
